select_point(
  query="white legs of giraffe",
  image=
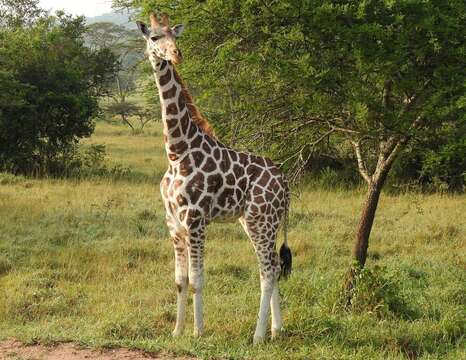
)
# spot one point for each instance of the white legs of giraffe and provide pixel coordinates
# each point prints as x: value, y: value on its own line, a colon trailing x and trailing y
x: 266, y: 295
x: 276, y: 314
x: 263, y: 237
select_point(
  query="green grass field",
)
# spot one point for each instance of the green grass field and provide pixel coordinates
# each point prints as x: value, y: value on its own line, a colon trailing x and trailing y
x: 91, y: 262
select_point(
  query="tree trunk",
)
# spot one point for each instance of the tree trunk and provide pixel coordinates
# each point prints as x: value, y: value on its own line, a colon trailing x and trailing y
x: 366, y: 221
x: 125, y: 121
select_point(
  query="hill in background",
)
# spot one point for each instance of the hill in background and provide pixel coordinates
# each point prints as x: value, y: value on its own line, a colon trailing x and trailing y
x: 119, y: 18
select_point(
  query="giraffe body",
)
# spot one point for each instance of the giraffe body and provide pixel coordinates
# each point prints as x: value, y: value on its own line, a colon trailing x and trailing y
x: 206, y: 182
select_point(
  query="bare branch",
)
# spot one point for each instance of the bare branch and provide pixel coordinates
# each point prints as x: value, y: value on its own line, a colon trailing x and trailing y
x: 302, y: 159
x: 361, y: 165
x: 345, y: 130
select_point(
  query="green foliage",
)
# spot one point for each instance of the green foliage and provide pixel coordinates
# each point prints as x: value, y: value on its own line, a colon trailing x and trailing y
x: 276, y: 76
x: 49, y: 85
x: 436, y: 162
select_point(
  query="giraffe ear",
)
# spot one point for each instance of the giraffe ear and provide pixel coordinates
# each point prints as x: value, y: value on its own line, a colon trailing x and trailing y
x: 178, y: 30
x: 143, y: 28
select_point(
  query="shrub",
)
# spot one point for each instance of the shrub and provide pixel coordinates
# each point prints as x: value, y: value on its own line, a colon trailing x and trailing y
x: 379, y: 293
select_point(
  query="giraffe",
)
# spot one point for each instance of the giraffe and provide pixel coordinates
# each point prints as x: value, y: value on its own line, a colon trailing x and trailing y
x: 206, y: 182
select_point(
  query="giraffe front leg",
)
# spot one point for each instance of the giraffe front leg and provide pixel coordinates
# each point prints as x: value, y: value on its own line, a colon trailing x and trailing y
x: 196, y: 274
x: 181, y: 281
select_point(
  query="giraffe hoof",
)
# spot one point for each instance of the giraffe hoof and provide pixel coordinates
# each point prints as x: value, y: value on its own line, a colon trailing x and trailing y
x: 198, y: 332
x: 177, y: 332
x: 257, y: 339
x: 276, y: 333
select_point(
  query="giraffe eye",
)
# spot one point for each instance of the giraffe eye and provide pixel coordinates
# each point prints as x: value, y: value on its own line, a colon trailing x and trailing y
x: 155, y: 38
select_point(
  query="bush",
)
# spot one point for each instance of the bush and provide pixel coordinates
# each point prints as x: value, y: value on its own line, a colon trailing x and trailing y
x: 49, y: 86
x: 10, y: 179
x: 377, y: 292
x: 90, y: 162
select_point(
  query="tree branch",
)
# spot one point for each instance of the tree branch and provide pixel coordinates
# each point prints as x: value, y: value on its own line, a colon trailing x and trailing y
x: 361, y: 165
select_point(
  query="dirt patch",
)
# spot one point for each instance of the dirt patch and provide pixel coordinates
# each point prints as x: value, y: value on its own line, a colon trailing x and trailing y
x: 11, y: 349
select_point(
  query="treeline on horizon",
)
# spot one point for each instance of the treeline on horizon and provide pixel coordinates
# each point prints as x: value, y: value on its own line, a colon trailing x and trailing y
x: 325, y: 88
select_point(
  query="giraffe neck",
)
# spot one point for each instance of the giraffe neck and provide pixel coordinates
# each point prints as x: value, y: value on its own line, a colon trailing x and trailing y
x: 179, y: 129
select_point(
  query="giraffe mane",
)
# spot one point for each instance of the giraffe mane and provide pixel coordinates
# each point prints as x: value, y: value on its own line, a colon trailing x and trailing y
x: 196, y: 115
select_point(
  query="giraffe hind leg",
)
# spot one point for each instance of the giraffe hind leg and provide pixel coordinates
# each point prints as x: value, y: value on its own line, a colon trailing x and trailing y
x: 263, y: 236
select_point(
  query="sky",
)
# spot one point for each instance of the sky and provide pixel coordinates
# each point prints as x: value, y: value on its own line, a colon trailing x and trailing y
x: 78, y: 7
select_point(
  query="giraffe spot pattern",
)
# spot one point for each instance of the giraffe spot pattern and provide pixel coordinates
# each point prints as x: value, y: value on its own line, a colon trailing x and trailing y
x: 164, y: 79
x: 169, y: 93
x: 181, y: 102
x: 184, y: 123
x: 179, y: 147
x: 207, y: 181
x: 171, y: 109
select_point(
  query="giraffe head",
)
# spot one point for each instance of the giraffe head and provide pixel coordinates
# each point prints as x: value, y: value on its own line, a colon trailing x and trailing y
x: 160, y: 38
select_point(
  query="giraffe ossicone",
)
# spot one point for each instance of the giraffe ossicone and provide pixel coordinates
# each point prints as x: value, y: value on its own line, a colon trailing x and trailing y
x: 207, y: 181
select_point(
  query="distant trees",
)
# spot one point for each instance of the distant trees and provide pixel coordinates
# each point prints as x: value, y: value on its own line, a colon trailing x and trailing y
x: 126, y: 46
x: 15, y: 13
x: 129, y: 109
x: 49, y: 88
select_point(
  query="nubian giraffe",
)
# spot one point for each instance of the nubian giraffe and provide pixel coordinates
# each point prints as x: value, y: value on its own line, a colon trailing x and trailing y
x: 207, y: 181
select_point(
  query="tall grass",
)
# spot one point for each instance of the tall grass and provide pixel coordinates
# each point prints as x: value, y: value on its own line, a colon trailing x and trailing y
x: 90, y: 261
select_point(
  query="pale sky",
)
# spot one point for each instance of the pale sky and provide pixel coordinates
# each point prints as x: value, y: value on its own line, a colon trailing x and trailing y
x: 78, y: 7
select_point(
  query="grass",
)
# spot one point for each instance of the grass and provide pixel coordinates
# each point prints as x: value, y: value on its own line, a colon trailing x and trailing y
x: 91, y: 262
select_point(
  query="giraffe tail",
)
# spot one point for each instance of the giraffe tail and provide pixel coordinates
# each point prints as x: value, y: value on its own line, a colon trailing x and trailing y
x: 285, y: 251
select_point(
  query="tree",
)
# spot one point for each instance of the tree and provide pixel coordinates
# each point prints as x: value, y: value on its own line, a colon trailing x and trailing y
x: 288, y: 77
x: 126, y: 109
x: 50, y: 86
x: 17, y: 13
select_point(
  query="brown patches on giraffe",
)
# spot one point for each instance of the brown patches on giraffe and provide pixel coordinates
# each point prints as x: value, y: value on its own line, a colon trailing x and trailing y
x: 184, y: 123
x: 206, y: 147
x: 179, y: 147
x: 165, y: 79
x: 168, y: 94
x: 196, y: 142
x: 214, y: 183
x: 173, y: 157
x: 171, y: 109
x: 176, y: 133
x: 181, y: 102
x: 171, y: 123
x: 193, y: 110
x: 198, y: 158
x: 185, y: 166
x: 209, y: 165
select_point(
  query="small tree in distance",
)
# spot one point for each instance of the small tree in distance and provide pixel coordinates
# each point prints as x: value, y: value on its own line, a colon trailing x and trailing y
x: 127, y: 110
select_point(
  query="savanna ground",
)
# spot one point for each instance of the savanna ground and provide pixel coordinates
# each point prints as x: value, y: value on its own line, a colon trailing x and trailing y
x: 90, y: 262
